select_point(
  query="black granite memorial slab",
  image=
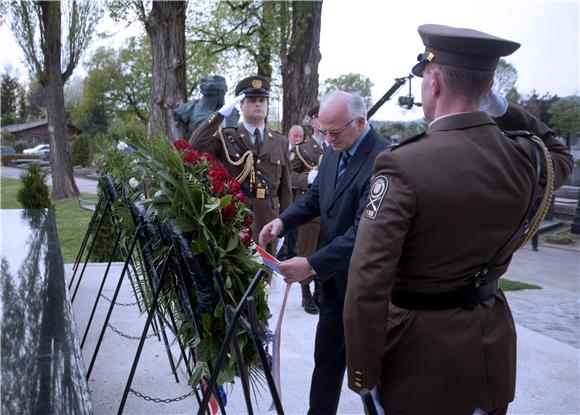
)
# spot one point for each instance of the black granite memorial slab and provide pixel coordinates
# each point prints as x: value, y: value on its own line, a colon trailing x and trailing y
x: 41, y: 364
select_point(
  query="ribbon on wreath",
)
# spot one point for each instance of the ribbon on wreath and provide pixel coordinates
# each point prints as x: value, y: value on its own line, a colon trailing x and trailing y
x: 272, y: 263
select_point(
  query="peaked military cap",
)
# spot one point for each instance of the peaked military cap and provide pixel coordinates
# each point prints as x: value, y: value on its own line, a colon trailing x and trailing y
x: 463, y: 48
x: 253, y: 86
x: 313, y: 112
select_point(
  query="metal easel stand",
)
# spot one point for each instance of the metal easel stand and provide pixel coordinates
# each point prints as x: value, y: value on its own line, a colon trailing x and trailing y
x: 138, y: 236
x: 236, y: 320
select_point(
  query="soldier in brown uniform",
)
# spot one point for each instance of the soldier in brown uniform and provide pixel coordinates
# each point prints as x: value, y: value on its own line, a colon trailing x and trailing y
x: 427, y: 329
x: 305, y: 158
x: 252, y: 153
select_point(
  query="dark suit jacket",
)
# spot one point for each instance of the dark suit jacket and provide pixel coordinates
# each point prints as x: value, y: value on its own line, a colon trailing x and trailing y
x: 339, y: 207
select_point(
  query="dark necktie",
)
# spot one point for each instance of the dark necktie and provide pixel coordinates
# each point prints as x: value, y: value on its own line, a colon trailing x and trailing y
x: 344, y: 159
x: 258, y: 142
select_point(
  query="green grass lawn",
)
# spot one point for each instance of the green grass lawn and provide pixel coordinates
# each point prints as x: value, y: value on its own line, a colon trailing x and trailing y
x: 509, y: 285
x: 72, y: 221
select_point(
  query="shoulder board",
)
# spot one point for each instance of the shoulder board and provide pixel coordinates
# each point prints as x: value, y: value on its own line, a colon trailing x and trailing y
x: 407, y: 141
x: 518, y: 133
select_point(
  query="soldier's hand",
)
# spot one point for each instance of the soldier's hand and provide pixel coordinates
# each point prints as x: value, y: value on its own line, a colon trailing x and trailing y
x: 270, y: 231
x: 494, y: 104
x: 229, y: 106
x: 296, y: 269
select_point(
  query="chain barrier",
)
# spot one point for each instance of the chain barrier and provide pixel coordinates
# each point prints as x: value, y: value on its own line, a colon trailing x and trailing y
x: 120, y: 333
x: 119, y: 304
x: 160, y: 400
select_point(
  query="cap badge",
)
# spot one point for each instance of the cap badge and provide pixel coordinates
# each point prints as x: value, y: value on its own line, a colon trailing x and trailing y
x: 256, y: 83
x: 430, y: 56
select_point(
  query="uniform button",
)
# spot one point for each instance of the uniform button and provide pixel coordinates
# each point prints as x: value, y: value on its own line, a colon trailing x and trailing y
x: 358, y: 372
x: 358, y: 385
x: 258, y: 161
x: 278, y: 161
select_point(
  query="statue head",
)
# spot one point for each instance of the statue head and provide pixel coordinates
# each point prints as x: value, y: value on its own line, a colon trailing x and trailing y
x: 213, y: 86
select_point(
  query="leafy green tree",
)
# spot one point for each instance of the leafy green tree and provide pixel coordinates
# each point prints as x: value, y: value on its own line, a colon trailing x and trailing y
x: 38, y: 29
x: 540, y: 105
x: 164, y: 22
x: 11, y: 91
x: 565, y: 115
x: 35, y: 100
x: 352, y: 82
x: 241, y: 34
x: 260, y: 37
x: 92, y: 111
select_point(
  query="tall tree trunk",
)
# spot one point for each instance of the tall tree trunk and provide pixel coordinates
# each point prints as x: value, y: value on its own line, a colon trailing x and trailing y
x: 166, y: 28
x: 63, y: 182
x: 266, y: 31
x: 300, y: 65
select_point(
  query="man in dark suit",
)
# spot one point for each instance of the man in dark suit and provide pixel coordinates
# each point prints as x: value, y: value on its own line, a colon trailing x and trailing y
x: 338, y: 195
x: 427, y: 329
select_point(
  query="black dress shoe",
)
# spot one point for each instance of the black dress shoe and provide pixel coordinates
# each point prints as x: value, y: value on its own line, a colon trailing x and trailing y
x: 307, y: 300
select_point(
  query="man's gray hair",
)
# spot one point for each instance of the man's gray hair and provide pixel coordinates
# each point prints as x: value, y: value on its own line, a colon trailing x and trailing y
x: 355, y: 107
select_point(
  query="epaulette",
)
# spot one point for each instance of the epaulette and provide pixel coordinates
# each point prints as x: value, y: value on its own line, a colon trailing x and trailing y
x: 518, y: 133
x: 407, y: 141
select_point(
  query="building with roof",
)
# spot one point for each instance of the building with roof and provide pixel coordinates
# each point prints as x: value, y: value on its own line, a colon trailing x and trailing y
x: 33, y: 133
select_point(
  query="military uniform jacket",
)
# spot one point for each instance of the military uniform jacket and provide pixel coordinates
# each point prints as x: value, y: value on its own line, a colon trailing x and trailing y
x: 339, y: 207
x: 304, y: 157
x: 271, y: 165
x: 440, y: 207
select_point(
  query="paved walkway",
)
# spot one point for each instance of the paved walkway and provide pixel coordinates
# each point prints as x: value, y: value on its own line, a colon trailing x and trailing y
x: 548, y: 366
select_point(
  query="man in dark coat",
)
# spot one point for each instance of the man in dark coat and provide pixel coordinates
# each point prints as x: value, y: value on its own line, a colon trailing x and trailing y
x: 305, y: 158
x: 427, y: 329
x: 338, y: 196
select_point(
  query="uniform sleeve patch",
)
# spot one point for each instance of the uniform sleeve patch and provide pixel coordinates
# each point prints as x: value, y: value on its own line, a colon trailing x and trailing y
x: 378, y: 190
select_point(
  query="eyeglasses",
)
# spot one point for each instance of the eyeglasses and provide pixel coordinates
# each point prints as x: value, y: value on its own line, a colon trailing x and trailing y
x: 337, y: 131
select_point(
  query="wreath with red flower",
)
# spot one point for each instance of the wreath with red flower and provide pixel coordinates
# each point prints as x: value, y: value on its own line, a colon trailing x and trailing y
x: 196, y: 191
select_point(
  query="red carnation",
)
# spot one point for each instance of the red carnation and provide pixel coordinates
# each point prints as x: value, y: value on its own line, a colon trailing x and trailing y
x: 229, y: 211
x: 246, y: 236
x: 192, y: 157
x: 208, y: 157
x: 217, y: 187
x: 181, y: 144
x: 234, y: 186
x: 240, y: 196
x: 248, y: 219
x: 217, y: 172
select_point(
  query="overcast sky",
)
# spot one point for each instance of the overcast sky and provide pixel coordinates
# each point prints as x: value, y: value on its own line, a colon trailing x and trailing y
x: 378, y: 39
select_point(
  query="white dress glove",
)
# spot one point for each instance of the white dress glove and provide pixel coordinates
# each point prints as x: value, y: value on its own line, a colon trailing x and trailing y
x: 228, y: 107
x: 312, y: 175
x: 494, y: 104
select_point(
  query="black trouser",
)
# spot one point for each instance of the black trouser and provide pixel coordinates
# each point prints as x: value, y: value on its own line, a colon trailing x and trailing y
x: 329, y: 354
